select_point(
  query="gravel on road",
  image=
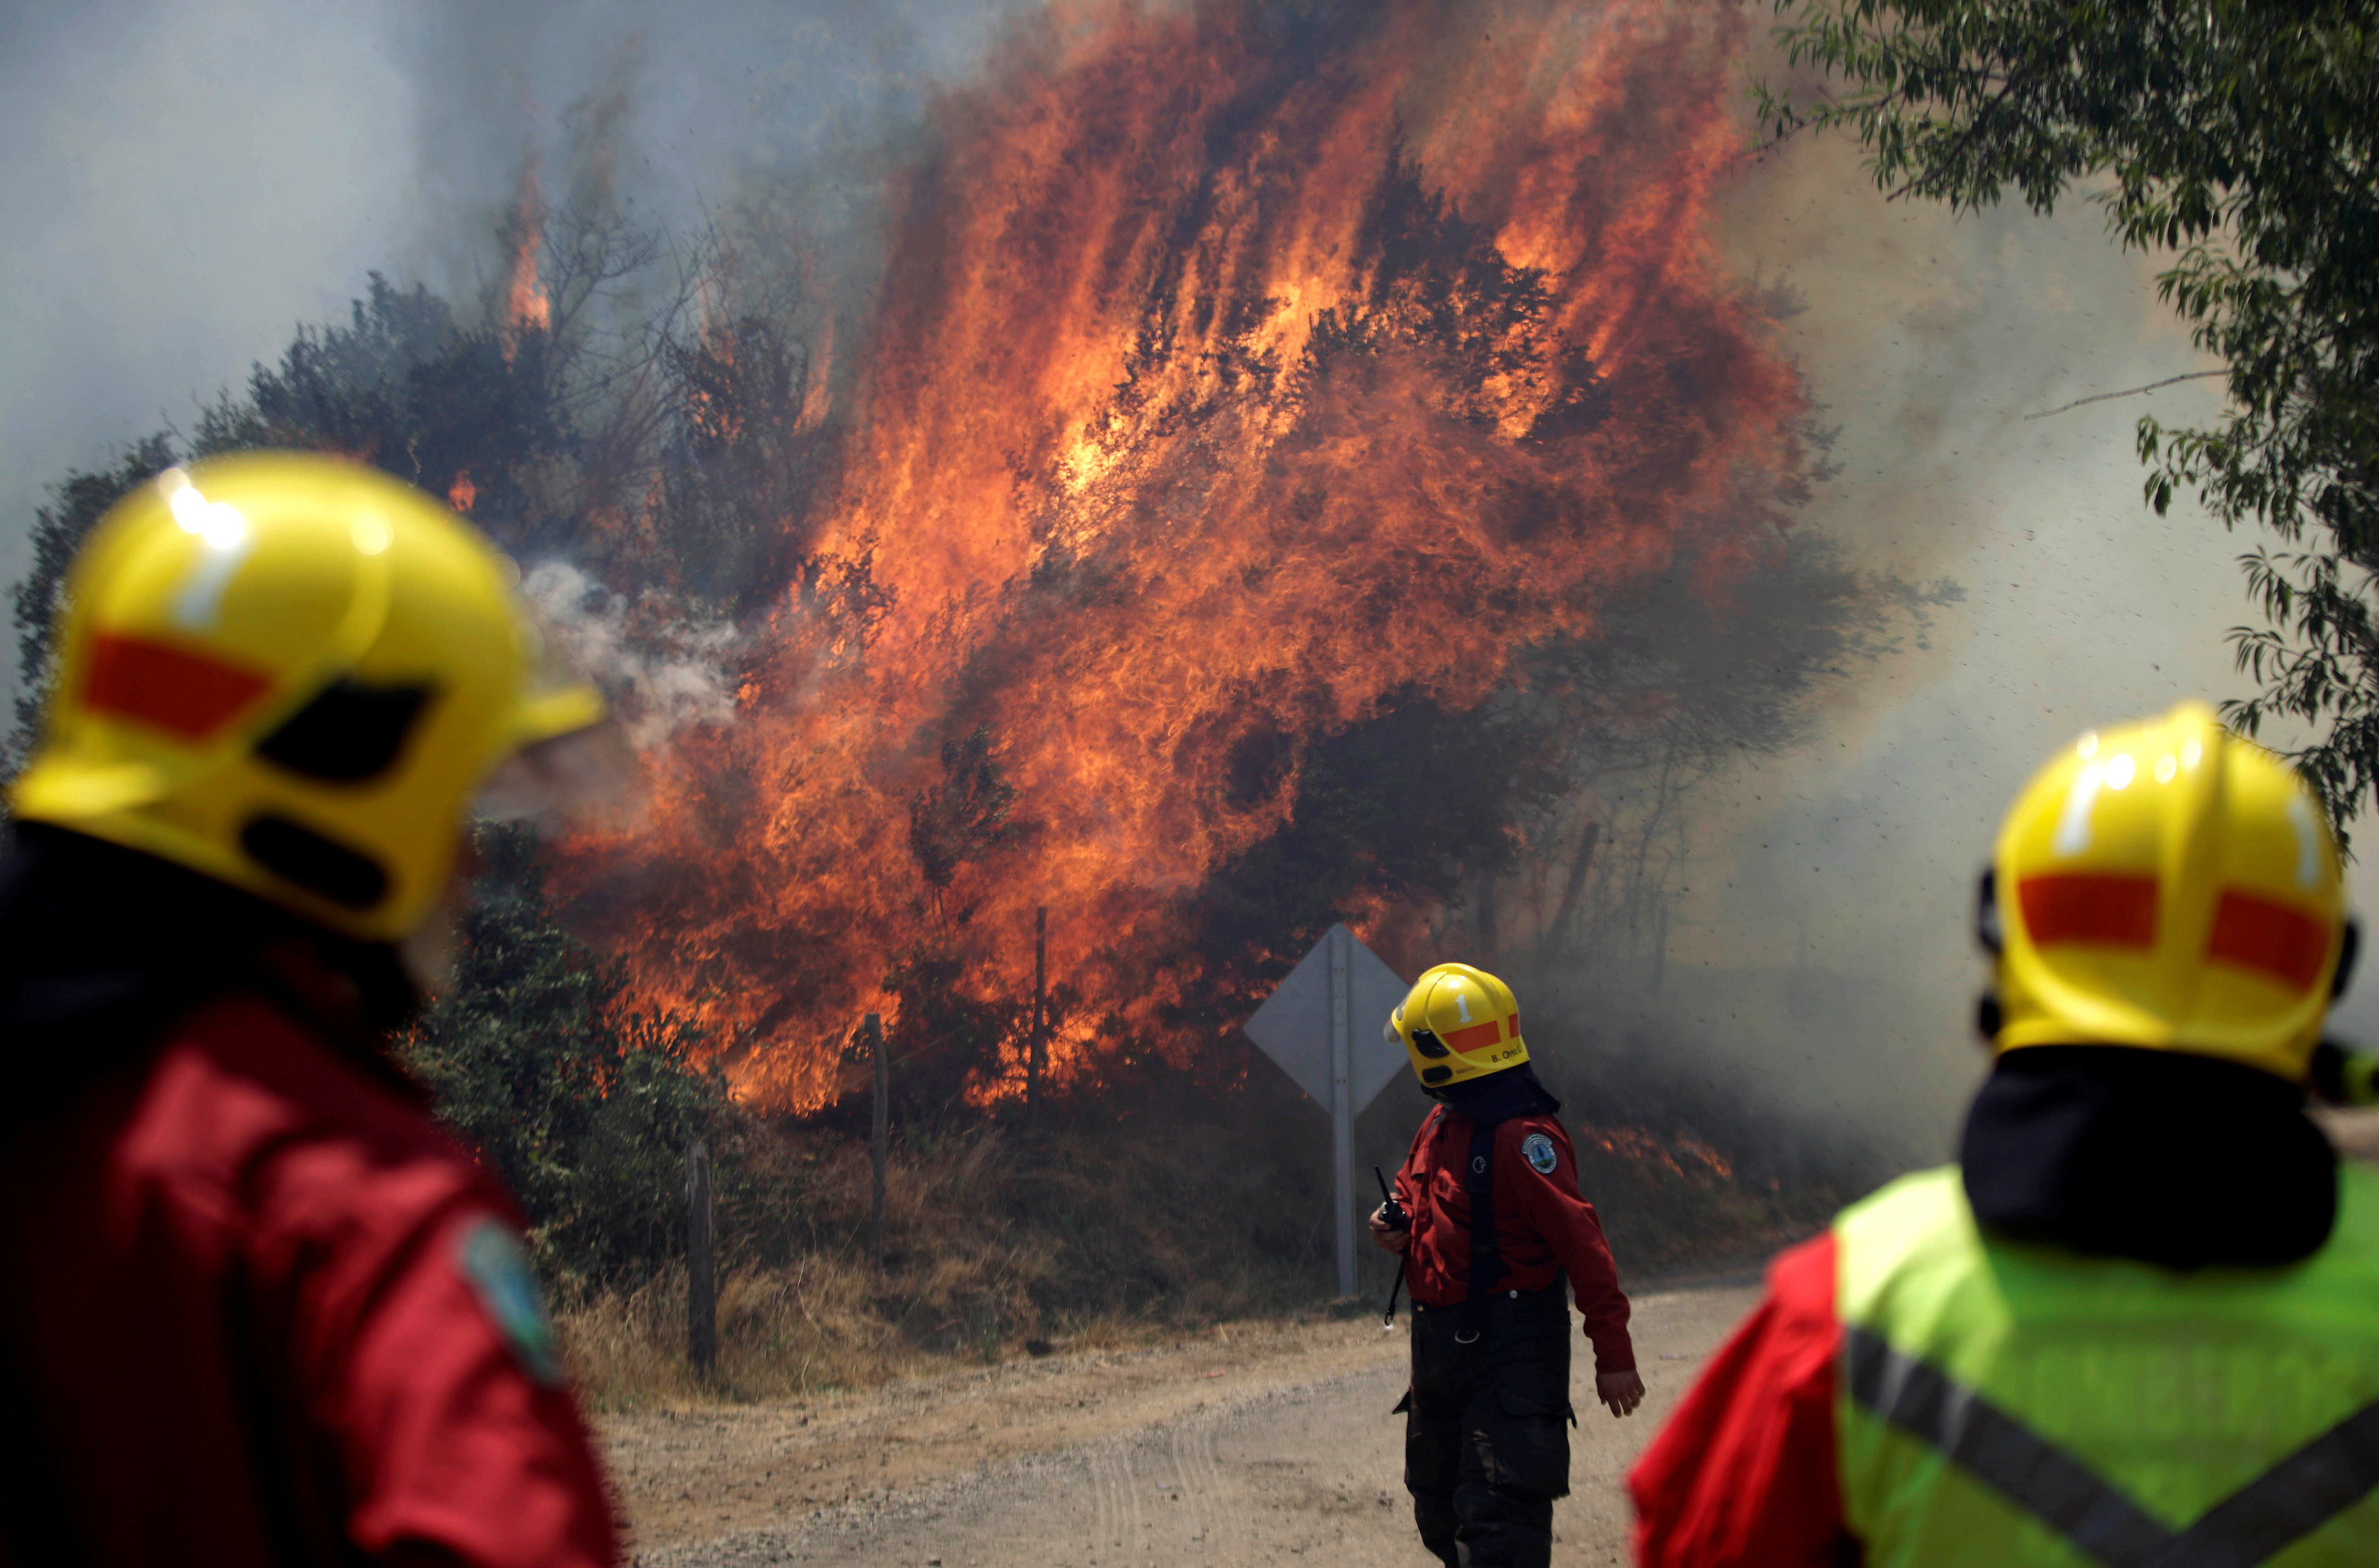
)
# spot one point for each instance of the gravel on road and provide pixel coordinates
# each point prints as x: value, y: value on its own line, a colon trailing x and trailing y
x: 1253, y: 1444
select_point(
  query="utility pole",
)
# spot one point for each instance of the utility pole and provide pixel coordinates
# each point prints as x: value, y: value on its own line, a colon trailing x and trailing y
x: 1037, y: 1051
x: 701, y: 1264
x: 881, y: 1141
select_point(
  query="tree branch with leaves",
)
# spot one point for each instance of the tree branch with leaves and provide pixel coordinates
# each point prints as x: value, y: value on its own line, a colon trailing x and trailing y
x: 2238, y: 141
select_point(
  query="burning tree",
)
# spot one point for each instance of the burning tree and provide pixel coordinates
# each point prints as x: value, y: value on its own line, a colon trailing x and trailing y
x: 1256, y: 399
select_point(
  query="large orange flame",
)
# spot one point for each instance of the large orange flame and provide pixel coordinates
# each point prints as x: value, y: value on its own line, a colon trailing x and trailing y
x: 1229, y: 383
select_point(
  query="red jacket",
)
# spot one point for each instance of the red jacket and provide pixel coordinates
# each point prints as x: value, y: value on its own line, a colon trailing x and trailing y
x: 1543, y: 1228
x: 1744, y: 1474
x: 262, y: 1315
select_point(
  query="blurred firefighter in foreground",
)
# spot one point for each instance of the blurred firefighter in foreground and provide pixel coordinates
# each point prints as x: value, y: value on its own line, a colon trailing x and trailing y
x: 259, y: 1308
x: 2135, y: 1324
x: 1496, y: 1221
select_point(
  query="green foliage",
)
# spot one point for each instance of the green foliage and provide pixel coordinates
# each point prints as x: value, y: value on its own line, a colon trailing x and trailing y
x: 2237, y: 141
x: 404, y: 387
x: 401, y: 385
x: 585, y: 1105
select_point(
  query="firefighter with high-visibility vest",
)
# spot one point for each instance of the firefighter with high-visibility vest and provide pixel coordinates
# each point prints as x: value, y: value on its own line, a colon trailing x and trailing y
x: 1492, y: 1225
x: 2135, y: 1324
x: 258, y: 1306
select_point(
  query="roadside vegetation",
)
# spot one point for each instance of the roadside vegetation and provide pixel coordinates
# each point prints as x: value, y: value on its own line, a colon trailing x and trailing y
x: 1115, y: 1230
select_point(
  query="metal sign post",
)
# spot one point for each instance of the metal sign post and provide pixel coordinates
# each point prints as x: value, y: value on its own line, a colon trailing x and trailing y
x: 1323, y: 1027
x: 1342, y: 1114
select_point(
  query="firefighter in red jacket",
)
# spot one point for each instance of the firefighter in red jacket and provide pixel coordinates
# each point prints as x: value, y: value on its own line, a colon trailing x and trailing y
x: 2134, y: 1323
x: 1487, y: 1417
x: 257, y: 1307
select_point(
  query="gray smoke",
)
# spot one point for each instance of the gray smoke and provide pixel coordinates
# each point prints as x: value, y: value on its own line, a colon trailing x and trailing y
x: 663, y: 669
x: 1844, y: 874
x: 186, y: 180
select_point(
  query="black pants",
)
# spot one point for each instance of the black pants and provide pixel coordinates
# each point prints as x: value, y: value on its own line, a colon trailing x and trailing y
x: 1486, y: 1430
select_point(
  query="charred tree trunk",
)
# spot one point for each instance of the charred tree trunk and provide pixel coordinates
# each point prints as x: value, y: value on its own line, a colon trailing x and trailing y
x: 1660, y: 947
x: 1558, y: 934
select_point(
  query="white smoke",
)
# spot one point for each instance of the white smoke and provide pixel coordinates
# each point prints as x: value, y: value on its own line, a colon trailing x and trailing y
x: 663, y: 669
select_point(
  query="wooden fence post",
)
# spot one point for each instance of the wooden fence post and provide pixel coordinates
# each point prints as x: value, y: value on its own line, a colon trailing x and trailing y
x: 701, y: 1264
x: 879, y: 1142
x: 1038, y: 1051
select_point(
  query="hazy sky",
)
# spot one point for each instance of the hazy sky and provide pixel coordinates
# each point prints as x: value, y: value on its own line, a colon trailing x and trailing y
x: 186, y: 180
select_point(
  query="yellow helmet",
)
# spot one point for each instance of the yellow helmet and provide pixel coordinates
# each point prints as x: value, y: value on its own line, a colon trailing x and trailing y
x: 1458, y: 1023
x: 2167, y: 886
x: 290, y: 673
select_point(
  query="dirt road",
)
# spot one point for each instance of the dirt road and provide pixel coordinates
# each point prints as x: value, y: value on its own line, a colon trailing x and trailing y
x: 1252, y: 1445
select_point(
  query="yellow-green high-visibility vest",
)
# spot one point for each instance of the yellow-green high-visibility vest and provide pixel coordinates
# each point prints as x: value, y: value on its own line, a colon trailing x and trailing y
x: 1999, y: 1403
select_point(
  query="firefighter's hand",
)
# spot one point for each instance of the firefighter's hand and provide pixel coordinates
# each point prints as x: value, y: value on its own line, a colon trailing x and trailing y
x: 1621, y: 1391
x: 1394, y: 1240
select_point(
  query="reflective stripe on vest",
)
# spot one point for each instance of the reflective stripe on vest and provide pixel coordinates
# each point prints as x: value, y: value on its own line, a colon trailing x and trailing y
x: 2001, y: 1403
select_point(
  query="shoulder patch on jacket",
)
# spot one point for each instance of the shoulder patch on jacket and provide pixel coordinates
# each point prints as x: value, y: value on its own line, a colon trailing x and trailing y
x: 1538, y: 1150
x: 495, y: 1262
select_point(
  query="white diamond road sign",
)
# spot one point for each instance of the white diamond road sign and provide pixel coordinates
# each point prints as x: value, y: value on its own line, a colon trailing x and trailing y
x: 1323, y: 1026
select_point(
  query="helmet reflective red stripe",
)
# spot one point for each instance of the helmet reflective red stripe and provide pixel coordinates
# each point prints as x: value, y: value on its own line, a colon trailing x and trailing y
x: 1479, y: 1036
x: 2288, y: 945
x: 2284, y: 944
x: 184, y: 693
x: 2119, y: 911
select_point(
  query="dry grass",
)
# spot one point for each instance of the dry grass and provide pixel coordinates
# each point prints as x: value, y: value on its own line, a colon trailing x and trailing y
x: 1088, y: 1235
x: 803, y: 1328
x: 991, y: 1243
x: 810, y: 1328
